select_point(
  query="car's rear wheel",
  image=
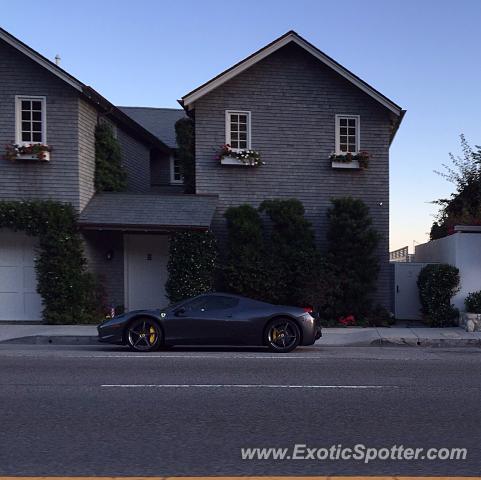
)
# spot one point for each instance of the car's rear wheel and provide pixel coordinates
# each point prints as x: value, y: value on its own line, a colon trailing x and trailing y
x: 144, y: 335
x: 282, y: 335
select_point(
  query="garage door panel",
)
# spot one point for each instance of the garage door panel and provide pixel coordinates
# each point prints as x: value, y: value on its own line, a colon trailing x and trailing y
x: 9, y: 279
x: 33, y: 306
x: 19, y: 299
x: 11, y: 306
x: 10, y: 253
x: 29, y: 251
x: 29, y: 279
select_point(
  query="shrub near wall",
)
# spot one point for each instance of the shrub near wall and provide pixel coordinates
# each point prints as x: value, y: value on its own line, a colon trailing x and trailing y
x: 69, y: 292
x: 472, y: 302
x: 437, y: 285
x: 192, y: 265
x: 185, y: 137
x: 292, y: 258
x: 352, y: 262
x: 244, y: 270
x: 109, y: 173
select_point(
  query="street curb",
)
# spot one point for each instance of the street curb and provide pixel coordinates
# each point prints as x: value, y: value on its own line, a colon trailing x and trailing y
x: 54, y: 340
x: 428, y: 342
x: 378, y: 342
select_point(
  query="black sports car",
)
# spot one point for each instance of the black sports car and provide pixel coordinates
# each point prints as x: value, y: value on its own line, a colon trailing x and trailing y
x: 213, y: 319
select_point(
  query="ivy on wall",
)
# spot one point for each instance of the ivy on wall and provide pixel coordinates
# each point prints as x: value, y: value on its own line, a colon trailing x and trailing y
x: 69, y: 292
x: 192, y: 265
x: 185, y: 136
x: 109, y: 173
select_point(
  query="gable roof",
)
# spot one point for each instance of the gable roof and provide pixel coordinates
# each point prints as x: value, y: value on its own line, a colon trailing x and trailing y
x: 190, y: 98
x: 158, y: 121
x: 88, y: 93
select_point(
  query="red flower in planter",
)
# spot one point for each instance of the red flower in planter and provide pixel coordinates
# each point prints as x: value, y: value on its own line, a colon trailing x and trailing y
x: 347, y: 321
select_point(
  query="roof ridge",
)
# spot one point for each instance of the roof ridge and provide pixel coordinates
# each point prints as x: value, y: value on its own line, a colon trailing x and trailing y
x: 152, y: 108
x: 190, y: 98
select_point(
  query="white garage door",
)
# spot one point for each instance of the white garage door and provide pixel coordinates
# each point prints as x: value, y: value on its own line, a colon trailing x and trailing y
x: 146, y: 258
x: 18, y: 282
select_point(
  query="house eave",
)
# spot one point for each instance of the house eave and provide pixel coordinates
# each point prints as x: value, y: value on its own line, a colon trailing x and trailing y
x: 121, y: 227
x: 40, y: 59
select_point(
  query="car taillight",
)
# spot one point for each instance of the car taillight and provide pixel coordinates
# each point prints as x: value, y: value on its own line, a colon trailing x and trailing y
x: 308, y: 309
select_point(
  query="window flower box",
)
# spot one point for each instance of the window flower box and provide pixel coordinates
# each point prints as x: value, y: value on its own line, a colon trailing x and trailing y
x: 353, y: 164
x: 242, y: 158
x: 359, y: 161
x: 34, y: 151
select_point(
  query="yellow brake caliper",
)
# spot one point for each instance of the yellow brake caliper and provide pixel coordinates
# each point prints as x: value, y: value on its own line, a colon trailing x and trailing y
x: 152, y: 335
x: 275, y: 334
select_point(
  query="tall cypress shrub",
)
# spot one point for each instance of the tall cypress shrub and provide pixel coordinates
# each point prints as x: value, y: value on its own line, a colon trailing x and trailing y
x: 192, y: 265
x: 109, y: 173
x: 244, y: 270
x: 292, y: 258
x: 352, y: 262
x: 185, y: 135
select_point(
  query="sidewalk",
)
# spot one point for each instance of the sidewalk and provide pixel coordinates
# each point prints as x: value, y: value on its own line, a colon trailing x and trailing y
x: 44, y: 334
x: 332, y: 337
x: 398, y: 336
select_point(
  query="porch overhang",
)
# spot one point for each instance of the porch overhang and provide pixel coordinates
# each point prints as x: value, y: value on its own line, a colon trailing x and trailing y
x: 139, y: 212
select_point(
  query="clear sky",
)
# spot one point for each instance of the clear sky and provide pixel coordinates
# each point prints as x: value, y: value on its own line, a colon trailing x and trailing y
x: 423, y: 54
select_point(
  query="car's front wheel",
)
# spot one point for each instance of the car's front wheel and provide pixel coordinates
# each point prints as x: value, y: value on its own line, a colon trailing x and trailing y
x: 144, y: 335
x: 282, y: 335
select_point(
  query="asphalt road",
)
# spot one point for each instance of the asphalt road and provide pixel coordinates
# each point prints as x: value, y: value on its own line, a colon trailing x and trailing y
x: 106, y: 411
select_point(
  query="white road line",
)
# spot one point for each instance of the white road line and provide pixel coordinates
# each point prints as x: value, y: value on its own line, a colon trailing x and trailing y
x: 222, y: 385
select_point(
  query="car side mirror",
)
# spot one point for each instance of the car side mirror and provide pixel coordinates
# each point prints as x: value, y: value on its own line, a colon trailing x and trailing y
x: 179, y: 312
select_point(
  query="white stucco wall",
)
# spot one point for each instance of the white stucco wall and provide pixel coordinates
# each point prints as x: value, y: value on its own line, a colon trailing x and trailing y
x: 462, y: 250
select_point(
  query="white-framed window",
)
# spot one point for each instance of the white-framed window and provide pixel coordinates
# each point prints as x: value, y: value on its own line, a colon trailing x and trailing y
x: 238, y: 129
x: 30, y: 120
x: 347, y: 134
x: 175, y: 172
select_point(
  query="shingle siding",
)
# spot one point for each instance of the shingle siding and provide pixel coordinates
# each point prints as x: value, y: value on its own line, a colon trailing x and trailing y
x: 136, y: 161
x: 160, y: 169
x: 87, y: 124
x: 293, y: 100
x: 57, y: 179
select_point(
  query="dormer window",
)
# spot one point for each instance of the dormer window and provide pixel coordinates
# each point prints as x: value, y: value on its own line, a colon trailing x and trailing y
x: 347, y: 134
x: 238, y: 129
x: 30, y: 120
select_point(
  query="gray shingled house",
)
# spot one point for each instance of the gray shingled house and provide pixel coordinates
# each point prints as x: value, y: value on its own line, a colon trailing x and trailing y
x: 290, y: 102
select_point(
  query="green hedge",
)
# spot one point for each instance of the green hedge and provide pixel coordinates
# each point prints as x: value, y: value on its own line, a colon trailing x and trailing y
x: 244, y: 269
x: 292, y: 257
x: 185, y: 136
x: 192, y: 265
x: 69, y: 292
x: 437, y: 285
x: 352, y: 259
x: 275, y: 260
x: 473, y: 302
x: 109, y: 173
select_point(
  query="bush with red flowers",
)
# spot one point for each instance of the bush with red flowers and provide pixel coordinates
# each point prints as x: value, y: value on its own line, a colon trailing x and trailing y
x: 348, y: 321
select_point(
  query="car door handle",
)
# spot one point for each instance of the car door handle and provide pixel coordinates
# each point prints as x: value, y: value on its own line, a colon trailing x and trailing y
x: 397, y: 288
